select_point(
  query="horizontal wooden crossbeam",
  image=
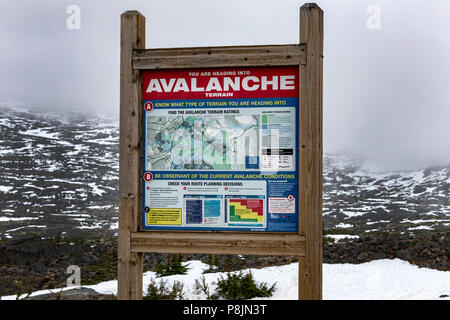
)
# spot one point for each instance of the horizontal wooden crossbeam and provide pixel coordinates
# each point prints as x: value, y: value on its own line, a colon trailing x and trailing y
x: 210, y: 57
x: 218, y: 243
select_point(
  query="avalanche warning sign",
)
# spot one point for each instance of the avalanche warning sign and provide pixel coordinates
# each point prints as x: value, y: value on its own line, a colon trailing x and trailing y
x: 220, y: 146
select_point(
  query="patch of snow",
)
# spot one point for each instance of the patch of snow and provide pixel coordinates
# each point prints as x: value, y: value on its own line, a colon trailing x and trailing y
x: 9, y: 219
x: 96, y: 225
x: 28, y: 226
x: 96, y: 190
x: 374, y: 222
x: 5, y: 189
x: 339, y: 237
x: 421, y: 228
x: 344, y: 225
x: 99, y: 207
x: 40, y: 132
x: 420, y: 221
x: 114, y: 226
x: 29, y: 185
x: 351, y: 214
x: 72, y: 215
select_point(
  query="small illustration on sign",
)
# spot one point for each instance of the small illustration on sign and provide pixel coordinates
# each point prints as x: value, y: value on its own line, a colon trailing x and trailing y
x: 148, y: 106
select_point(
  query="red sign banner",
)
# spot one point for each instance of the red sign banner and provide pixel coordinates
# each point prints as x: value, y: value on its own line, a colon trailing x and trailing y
x: 231, y: 83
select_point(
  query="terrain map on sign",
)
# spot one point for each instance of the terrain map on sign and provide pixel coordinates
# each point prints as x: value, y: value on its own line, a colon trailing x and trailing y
x: 209, y: 142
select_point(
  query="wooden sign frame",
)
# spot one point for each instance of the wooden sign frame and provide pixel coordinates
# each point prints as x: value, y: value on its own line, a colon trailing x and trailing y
x: 307, y: 244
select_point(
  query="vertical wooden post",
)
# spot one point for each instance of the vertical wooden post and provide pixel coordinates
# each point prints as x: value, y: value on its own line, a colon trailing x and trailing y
x: 130, y: 268
x: 310, y: 174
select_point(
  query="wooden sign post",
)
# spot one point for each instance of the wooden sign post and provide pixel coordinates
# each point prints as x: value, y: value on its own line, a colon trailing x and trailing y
x: 135, y: 238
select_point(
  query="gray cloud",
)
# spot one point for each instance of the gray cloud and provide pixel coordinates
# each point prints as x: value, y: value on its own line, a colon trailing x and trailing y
x: 386, y: 94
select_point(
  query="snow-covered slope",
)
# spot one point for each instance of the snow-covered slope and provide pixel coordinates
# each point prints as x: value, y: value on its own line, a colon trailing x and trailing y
x: 59, y: 173
x: 380, y: 279
x: 361, y: 200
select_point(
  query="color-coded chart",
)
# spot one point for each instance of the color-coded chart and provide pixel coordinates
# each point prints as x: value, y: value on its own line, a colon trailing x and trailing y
x: 246, y: 210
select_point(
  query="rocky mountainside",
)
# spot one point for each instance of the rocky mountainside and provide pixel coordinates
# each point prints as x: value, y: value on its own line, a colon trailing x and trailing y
x: 359, y: 201
x: 59, y: 174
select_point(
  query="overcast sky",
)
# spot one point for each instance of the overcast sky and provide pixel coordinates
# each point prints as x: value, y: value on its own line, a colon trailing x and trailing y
x: 386, y: 91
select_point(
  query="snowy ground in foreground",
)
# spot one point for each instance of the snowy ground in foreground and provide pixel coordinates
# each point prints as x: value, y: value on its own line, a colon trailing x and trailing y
x: 380, y: 279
